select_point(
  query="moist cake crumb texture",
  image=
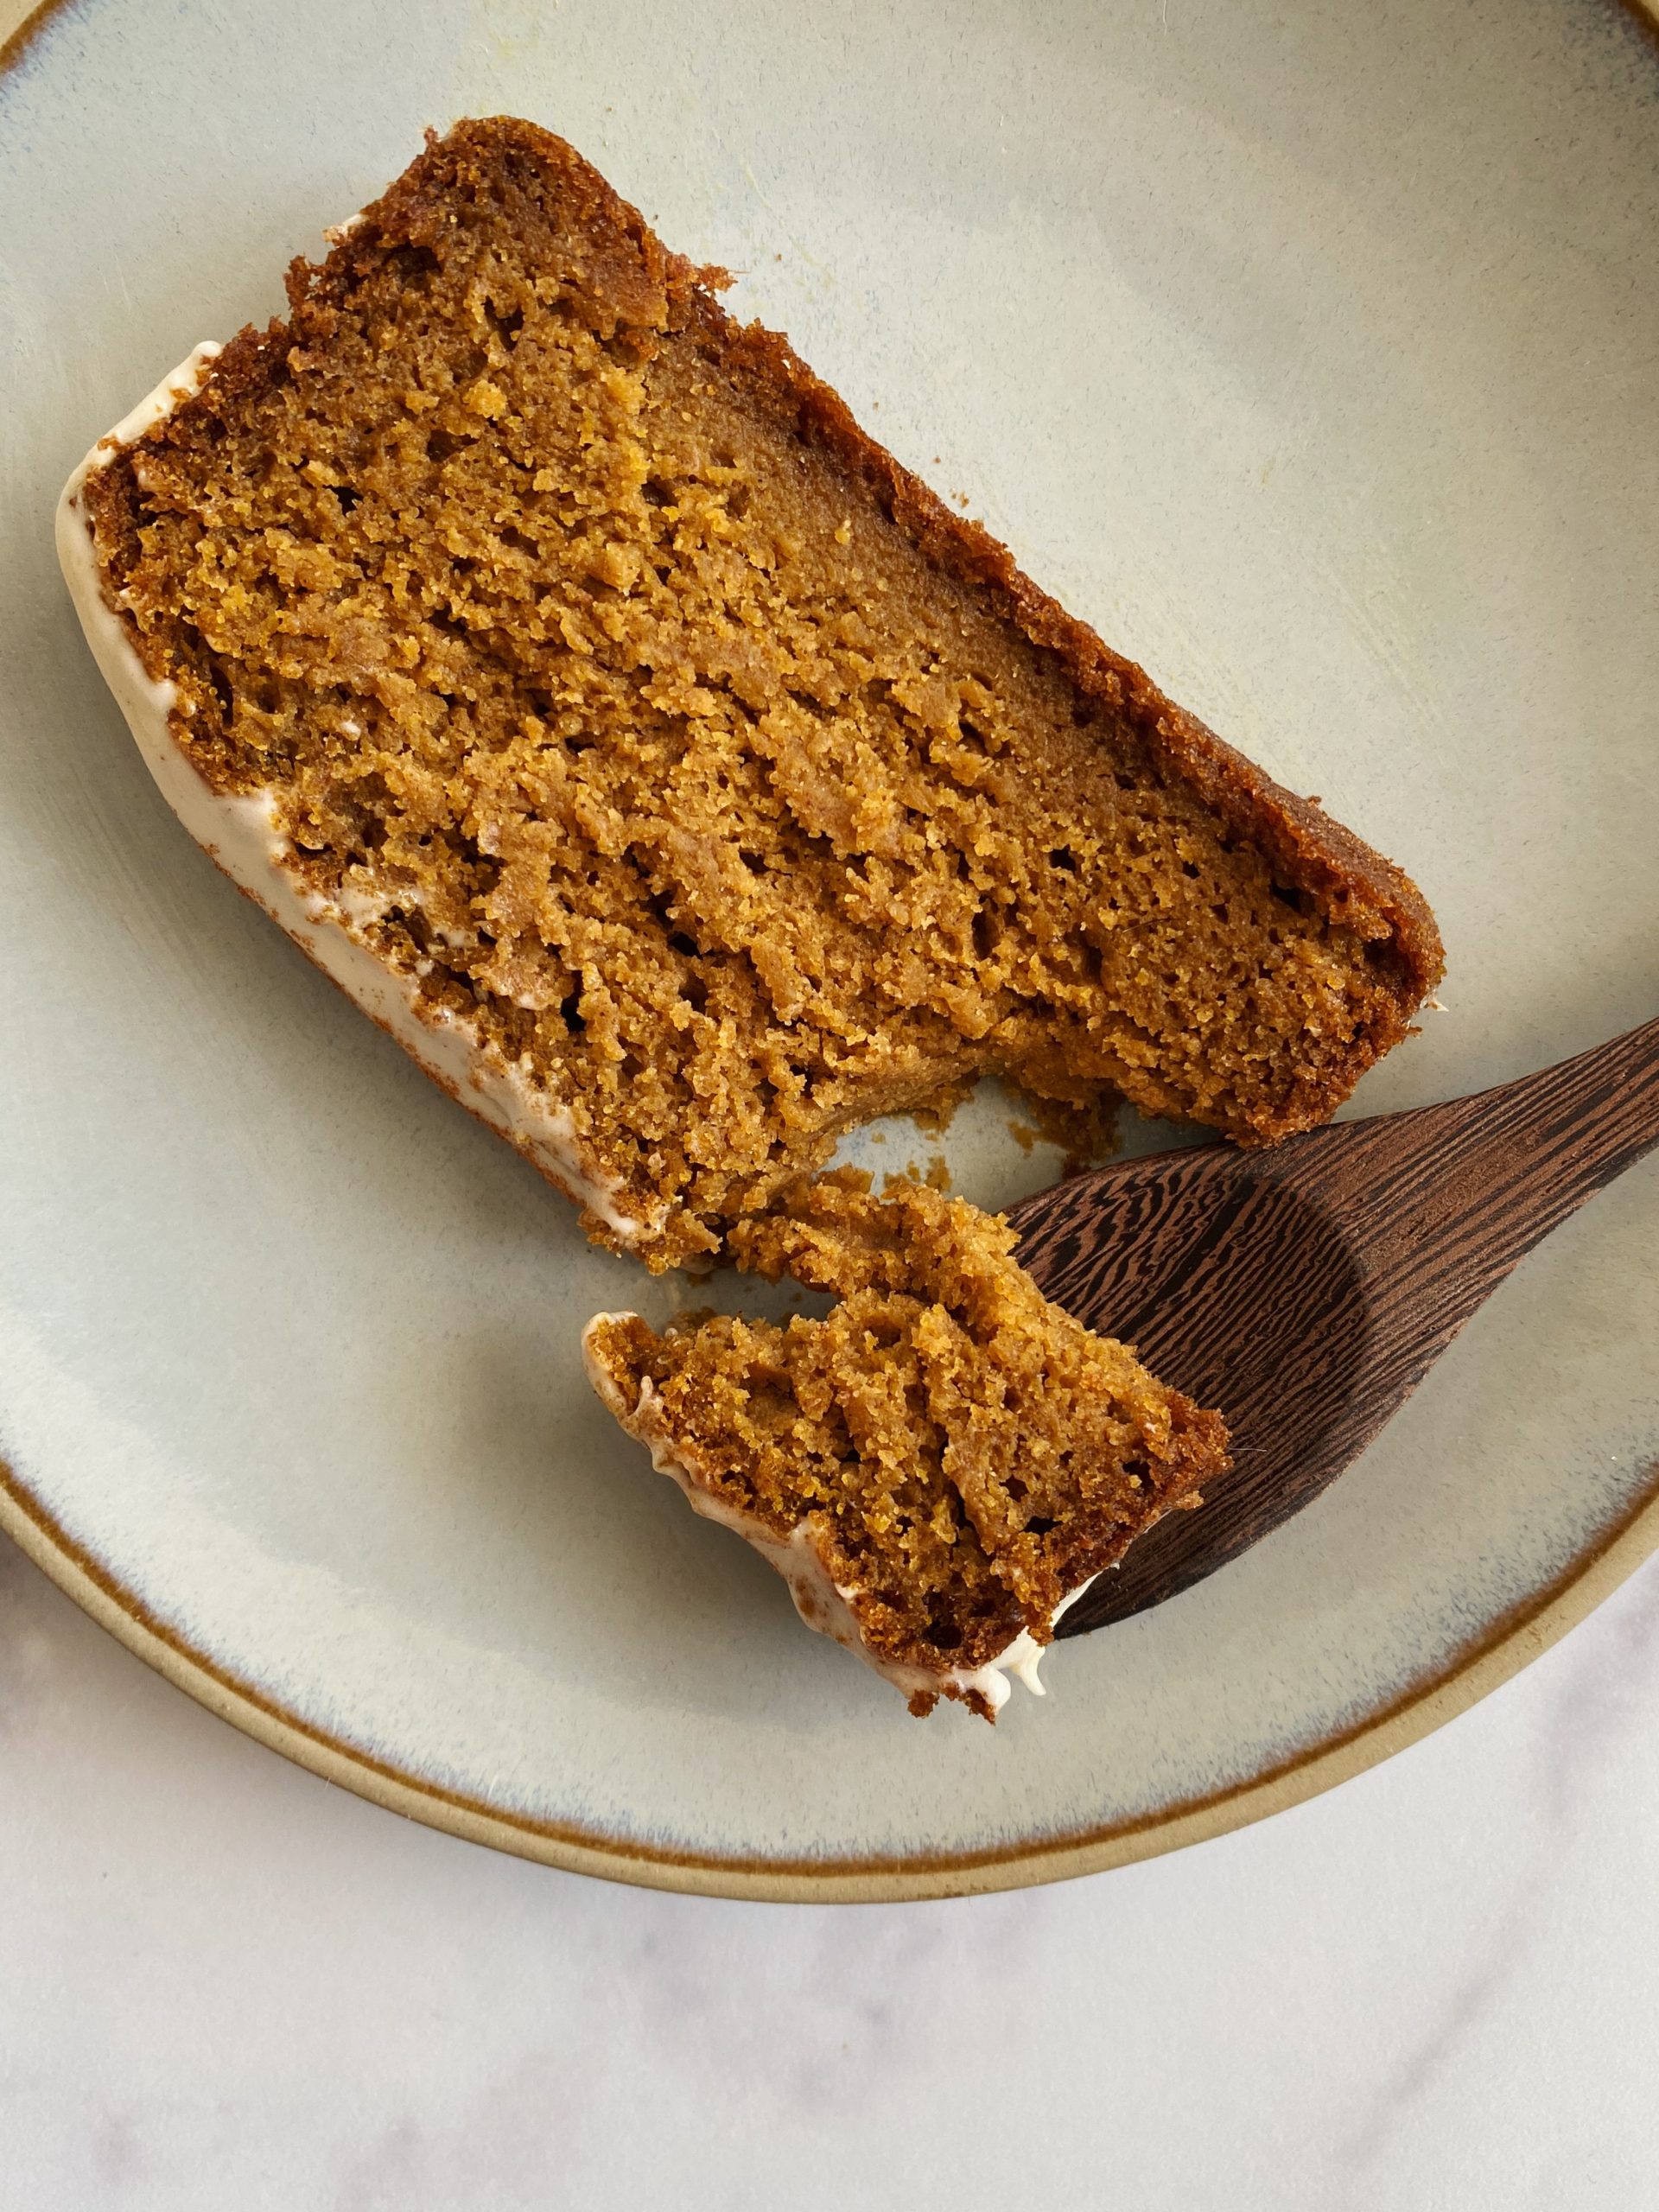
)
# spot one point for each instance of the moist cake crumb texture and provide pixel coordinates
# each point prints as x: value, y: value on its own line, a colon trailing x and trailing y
x: 960, y: 1455
x: 655, y: 724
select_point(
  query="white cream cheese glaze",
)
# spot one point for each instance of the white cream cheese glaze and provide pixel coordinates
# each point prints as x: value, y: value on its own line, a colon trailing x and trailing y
x: 243, y: 835
x: 822, y: 1603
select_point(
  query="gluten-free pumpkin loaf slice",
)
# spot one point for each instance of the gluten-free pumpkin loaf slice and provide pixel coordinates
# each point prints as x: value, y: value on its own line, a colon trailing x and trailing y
x: 940, y: 1464
x: 660, y: 760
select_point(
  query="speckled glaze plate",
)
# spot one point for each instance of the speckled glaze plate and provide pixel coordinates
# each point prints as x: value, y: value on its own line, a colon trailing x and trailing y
x: 1311, y: 352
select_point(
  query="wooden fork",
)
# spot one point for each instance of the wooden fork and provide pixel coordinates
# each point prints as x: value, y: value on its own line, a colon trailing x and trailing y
x: 1306, y: 1290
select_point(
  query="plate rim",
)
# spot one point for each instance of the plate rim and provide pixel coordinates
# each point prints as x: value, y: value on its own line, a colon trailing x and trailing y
x: 1481, y: 1665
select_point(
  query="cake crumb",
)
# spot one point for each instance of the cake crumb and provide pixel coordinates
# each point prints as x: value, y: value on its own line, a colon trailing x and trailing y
x: 956, y: 1454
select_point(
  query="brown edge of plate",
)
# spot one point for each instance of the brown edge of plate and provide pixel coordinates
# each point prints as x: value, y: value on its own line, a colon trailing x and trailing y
x: 1512, y: 1642
x: 1481, y: 1665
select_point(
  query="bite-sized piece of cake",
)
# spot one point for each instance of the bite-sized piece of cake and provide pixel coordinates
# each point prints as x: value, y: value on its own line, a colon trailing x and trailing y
x: 661, y: 762
x: 940, y: 1465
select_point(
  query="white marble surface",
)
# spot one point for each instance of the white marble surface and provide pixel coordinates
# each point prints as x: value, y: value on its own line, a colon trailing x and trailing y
x: 224, y: 1984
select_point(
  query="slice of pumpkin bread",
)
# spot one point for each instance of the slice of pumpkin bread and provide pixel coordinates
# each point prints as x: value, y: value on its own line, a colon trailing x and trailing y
x: 659, y: 759
x: 938, y: 1465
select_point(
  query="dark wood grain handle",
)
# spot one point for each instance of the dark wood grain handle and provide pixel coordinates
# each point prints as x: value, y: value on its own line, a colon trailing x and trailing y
x: 1580, y: 1123
x: 1471, y: 1186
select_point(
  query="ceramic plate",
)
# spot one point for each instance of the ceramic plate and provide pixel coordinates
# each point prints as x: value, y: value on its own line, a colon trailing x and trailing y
x: 1309, y: 352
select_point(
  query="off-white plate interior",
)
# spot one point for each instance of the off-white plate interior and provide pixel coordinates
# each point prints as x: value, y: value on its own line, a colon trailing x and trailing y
x: 1309, y: 351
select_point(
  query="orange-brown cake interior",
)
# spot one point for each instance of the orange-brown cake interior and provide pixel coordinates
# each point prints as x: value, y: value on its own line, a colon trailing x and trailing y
x: 960, y: 1455
x: 657, y: 725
